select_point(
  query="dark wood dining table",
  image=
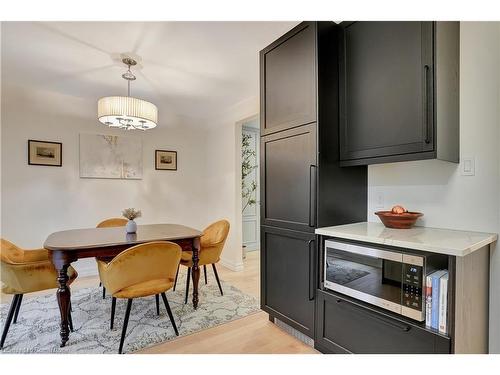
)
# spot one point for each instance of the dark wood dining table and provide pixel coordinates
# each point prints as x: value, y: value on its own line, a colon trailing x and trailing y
x: 68, y: 246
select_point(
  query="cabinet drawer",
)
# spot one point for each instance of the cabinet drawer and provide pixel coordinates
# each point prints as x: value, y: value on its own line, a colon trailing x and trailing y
x: 346, y: 327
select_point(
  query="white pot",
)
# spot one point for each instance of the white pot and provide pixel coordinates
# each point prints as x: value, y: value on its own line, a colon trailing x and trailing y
x: 131, y: 226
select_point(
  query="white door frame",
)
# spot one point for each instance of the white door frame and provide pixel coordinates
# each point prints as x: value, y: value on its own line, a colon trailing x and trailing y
x: 253, y: 245
x: 239, y: 129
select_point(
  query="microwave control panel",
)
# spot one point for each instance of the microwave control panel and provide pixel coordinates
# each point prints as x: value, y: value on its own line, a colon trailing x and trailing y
x: 412, y: 286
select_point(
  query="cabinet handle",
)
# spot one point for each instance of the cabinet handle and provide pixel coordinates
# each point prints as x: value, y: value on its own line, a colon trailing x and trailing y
x: 402, y: 326
x: 312, y: 195
x: 311, y: 270
x: 427, y: 104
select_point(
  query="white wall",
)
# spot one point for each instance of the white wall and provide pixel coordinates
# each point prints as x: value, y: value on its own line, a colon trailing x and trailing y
x: 38, y: 200
x: 223, y: 180
x: 448, y: 199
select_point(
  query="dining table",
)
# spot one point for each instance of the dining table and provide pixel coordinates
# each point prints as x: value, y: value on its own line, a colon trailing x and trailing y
x: 68, y: 246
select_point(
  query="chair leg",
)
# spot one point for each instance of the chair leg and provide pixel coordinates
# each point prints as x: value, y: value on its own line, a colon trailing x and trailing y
x: 100, y: 284
x: 170, y: 315
x: 157, y: 297
x: 19, y: 300
x: 70, y: 319
x: 113, y: 308
x: 217, y: 278
x: 187, y: 285
x: 205, y: 273
x: 125, y: 324
x: 103, y: 292
x: 10, y: 315
x: 176, y: 275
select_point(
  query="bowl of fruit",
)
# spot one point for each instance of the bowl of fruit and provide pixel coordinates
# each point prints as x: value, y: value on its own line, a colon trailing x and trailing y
x: 398, y: 217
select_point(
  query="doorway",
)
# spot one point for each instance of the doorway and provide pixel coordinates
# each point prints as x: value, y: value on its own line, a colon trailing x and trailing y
x: 250, y: 186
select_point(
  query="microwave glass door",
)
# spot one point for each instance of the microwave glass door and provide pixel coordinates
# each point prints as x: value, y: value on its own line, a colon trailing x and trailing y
x: 373, y: 275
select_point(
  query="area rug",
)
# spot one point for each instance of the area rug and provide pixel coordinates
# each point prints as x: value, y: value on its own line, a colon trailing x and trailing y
x: 37, y: 328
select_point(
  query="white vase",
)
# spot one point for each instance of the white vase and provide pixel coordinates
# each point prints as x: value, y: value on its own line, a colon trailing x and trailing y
x: 131, y: 226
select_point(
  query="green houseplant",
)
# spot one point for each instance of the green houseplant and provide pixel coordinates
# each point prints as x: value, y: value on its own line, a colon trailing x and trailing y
x: 247, y: 166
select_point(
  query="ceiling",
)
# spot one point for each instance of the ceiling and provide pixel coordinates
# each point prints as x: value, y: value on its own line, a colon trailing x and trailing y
x: 188, y: 69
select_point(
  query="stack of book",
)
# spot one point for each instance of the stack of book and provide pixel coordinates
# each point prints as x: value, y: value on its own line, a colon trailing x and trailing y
x: 436, y: 300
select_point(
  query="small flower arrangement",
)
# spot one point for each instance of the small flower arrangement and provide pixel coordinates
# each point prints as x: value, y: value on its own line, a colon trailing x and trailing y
x: 131, y: 213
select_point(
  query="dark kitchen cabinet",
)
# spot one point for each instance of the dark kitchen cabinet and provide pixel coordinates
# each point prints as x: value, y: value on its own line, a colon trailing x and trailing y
x: 302, y: 183
x: 288, y: 276
x: 399, y: 91
x: 288, y: 83
x: 343, y: 326
x: 288, y: 168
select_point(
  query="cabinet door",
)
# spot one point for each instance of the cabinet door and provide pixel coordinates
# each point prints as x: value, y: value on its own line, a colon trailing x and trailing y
x: 386, y: 80
x: 346, y: 327
x: 288, y: 276
x: 288, y: 178
x: 288, y: 80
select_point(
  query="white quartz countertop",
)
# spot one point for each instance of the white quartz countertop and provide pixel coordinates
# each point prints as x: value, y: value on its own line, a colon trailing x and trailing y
x: 443, y: 241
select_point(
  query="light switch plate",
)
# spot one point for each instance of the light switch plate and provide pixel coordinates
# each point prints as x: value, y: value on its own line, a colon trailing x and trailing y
x: 379, y: 196
x: 468, y: 166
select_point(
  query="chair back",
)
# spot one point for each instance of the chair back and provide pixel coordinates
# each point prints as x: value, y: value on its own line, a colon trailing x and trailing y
x: 113, y: 222
x: 213, y: 239
x: 143, y: 263
x: 24, y: 271
x: 10, y: 253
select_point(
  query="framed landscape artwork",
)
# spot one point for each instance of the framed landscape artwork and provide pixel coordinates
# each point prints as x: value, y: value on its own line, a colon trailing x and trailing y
x: 44, y: 153
x: 166, y: 160
x: 110, y: 156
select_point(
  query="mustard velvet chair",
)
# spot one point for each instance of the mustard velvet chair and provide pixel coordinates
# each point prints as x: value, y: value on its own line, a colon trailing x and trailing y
x: 141, y: 271
x: 26, y: 271
x: 212, y: 242
x: 111, y: 223
x: 120, y: 222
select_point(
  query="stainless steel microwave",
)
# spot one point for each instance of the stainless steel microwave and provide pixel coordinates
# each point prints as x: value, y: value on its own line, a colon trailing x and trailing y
x: 392, y: 280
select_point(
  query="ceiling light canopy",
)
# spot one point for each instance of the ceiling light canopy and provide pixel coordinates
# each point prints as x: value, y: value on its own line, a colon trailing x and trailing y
x: 127, y: 112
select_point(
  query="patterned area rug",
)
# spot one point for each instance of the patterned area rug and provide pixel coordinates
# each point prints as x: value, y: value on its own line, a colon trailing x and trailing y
x: 37, y: 328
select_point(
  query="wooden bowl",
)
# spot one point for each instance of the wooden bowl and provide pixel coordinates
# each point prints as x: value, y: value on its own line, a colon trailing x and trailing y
x: 398, y: 221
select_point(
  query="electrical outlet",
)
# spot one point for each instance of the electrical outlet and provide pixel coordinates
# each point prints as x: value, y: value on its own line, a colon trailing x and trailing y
x: 468, y: 166
x: 379, y: 200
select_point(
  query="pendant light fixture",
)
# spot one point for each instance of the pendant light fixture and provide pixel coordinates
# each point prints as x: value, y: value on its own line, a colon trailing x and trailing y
x: 127, y: 112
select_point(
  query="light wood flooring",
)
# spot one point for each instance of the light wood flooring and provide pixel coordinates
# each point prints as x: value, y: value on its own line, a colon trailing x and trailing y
x: 254, y: 334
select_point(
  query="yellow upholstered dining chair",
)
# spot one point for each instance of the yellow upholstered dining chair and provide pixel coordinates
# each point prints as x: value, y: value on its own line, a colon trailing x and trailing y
x: 212, y: 242
x: 113, y: 222
x: 110, y: 223
x: 26, y: 271
x: 140, y: 271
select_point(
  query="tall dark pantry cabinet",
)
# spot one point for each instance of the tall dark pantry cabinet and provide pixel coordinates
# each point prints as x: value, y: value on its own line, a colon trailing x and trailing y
x: 302, y: 184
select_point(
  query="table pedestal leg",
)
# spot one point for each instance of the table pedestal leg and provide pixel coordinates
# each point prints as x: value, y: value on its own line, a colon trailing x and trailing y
x: 63, y: 298
x: 196, y: 271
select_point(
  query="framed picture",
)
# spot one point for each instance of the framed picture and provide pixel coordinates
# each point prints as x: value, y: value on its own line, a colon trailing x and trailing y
x: 44, y: 153
x: 110, y: 156
x: 166, y: 160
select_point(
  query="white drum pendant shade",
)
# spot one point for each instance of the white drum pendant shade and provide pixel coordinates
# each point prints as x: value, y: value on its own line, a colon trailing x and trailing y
x: 127, y: 112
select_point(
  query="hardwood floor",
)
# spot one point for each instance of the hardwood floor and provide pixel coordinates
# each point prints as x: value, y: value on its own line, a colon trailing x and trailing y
x: 254, y: 334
